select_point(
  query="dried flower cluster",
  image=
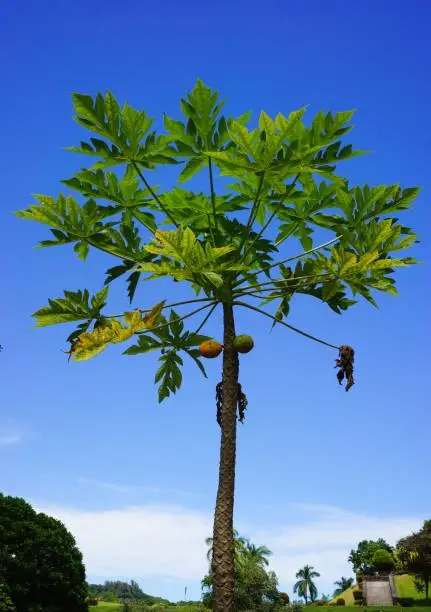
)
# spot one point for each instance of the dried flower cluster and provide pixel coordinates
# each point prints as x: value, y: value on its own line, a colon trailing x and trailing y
x: 345, y: 363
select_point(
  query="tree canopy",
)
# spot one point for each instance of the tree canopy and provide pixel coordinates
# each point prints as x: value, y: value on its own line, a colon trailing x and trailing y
x: 40, y: 563
x: 414, y: 552
x: 362, y: 557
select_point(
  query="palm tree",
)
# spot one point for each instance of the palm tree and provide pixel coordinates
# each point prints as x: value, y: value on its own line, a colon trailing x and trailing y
x: 239, y: 544
x: 342, y: 585
x: 305, y: 586
x: 257, y: 554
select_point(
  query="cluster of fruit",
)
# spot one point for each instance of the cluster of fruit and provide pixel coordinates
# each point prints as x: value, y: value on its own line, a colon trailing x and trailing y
x: 212, y: 348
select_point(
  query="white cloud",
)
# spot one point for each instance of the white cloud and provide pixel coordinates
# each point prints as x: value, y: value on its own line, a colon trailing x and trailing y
x: 147, y: 541
x: 164, y: 542
x: 326, y: 540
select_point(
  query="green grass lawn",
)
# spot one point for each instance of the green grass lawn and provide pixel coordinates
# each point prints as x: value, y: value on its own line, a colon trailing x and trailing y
x: 107, y: 606
x: 347, y: 596
x: 406, y: 587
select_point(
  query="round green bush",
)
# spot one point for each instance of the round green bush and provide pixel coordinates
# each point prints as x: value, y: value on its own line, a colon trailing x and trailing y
x: 341, y: 601
x: 383, y: 561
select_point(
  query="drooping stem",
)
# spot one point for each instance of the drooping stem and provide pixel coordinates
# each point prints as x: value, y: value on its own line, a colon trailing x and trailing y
x: 188, y: 315
x: 283, y: 261
x: 207, y: 316
x: 223, y: 567
x: 106, y: 250
x: 295, y: 329
x: 184, y: 302
x: 154, y: 195
x: 278, y: 284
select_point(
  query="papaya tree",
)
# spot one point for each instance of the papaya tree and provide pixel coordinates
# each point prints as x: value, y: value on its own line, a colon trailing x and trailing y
x: 286, y: 224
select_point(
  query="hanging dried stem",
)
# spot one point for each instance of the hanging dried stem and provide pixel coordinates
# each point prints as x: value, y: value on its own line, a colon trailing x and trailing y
x: 345, y: 363
x: 242, y: 403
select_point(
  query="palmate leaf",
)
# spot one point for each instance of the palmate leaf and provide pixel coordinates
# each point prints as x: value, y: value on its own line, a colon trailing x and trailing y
x: 112, y: 331
x: 69, y: 221
x: 347, y: 268
x: 125, y: 194
x: 196, y: 209
x: 285, y: 147
x: 171, y: 338
x: 127, y: 129
x: 203, y: 130
x: 169, y: 374
x: 74, y: 306
x: 189, y: 258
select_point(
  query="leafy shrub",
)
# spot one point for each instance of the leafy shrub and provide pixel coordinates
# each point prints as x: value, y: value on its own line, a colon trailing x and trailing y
x: 383, y: 561
x: 319, y: 602
x: 340, y: 601
x: 283, y: 598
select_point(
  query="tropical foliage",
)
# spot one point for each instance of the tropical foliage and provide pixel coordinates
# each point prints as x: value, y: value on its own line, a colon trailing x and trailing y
x: 305, y: 586
x: 342, y: 585
x: 288, y: 224
x: 255, y: 586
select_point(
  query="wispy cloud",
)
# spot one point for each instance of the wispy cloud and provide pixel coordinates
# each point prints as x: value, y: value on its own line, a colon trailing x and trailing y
x: 9, y: 439
x: 115, y: 487
x: 13, y: 433
x: 166, y: 542
x: 123, y: 488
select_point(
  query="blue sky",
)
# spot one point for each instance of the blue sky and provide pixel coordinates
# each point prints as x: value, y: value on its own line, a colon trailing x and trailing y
x: 318, y: 469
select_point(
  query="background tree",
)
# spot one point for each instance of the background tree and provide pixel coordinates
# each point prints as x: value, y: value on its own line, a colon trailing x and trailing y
x: 231, y: 246
x: 362, y: 557
x: 39, y: 560
x: 414, y: 552
x: 258, y: 554
x: 305, y: 586
x: 255, y: 586
x: 239, y: 544
x: 342, y: 585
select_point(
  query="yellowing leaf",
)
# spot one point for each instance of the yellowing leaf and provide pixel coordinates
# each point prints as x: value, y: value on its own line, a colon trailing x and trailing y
x: 94, y: 342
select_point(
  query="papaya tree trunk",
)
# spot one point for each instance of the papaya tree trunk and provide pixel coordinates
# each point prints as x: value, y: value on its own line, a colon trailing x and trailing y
x: 223, y: 558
